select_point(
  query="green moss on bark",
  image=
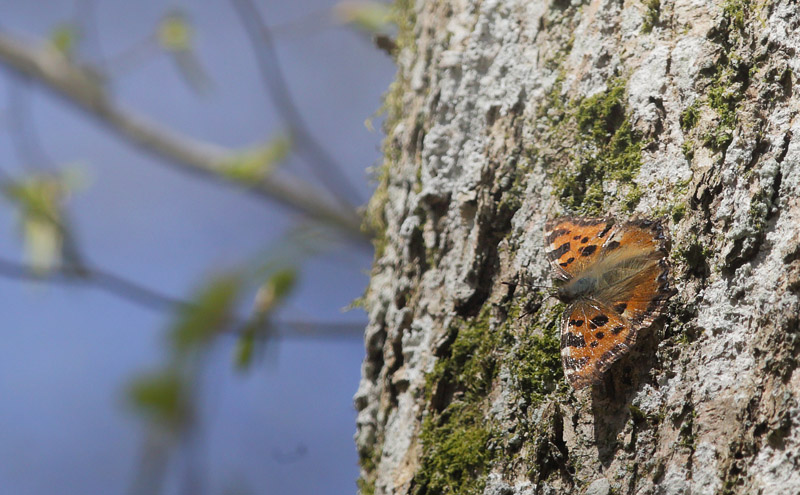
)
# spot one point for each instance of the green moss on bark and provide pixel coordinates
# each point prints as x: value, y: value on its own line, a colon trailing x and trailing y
x: 456, y: 457
x: 609, y: 150
x: 460, y: 441
x: 651, y: 15
x: 690, y: 116
x: 535, y: 363
x: 455, y: 436
x: 723, y: 96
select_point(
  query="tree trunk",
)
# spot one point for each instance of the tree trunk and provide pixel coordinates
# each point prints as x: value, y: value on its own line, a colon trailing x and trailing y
x: 507, y: 113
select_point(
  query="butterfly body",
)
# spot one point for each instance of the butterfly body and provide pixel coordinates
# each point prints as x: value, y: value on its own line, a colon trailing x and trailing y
x: 615, y: 280
x: 576, y: 289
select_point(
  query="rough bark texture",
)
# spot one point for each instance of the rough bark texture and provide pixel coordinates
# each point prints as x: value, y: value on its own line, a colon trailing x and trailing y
x: 506, y: 113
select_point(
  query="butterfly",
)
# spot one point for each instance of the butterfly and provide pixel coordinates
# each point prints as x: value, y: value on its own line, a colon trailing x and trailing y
x: 615, y: 280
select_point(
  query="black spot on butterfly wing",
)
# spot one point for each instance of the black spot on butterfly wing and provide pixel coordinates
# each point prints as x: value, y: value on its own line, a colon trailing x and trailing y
x: 603, y: 232
x: 559, y: 251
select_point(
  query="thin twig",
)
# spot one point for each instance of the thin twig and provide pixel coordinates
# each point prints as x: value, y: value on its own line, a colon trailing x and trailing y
x: 322, y: 163
x: 81, y: 88
x: 106, y: 281
x: 146, y: 297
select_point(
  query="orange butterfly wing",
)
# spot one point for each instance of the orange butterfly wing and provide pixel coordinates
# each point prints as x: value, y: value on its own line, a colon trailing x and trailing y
x: 574, y: 243
x: 630, y: 260
x: 643, y: 295
x: 593, y: 337
x: 646, y: 235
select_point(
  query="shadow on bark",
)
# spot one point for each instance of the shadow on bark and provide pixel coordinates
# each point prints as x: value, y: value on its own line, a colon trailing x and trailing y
x: 611, y: 399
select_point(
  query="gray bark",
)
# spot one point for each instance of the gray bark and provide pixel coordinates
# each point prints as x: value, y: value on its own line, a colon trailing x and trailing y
x: 507, y: 113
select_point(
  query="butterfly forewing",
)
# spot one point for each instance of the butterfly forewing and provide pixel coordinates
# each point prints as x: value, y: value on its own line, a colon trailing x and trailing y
x: 641, y: 298
x: 575, y: 243
x: 640, y: 234
x: 634, y: 272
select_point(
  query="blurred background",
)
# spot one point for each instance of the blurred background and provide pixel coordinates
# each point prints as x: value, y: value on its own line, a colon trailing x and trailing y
x: 168, y: 331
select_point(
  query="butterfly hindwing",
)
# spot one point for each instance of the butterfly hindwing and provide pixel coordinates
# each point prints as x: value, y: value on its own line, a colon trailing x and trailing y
x: 575, y: 243
x: 593, y: 337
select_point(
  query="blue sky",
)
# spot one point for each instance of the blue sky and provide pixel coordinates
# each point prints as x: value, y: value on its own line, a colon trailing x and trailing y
x: 68, y: 353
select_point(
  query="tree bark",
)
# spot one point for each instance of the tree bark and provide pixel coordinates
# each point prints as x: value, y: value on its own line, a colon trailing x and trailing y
x: 507, y: 113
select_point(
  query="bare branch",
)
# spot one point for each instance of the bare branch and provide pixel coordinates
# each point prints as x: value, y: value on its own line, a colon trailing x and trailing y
x: 82, y: 88
x: 113, y: 284
x: 144, y: 296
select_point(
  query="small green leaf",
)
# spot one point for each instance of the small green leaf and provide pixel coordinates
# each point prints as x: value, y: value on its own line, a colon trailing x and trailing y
x: 38, y: 195
x: 252, y: 341
x: 64, y: 37
x: 283, y: 281
x: 163, y: 396
x: 175, y: 33
x: 39, y: 200
x: 255, y: 164
x: 254, y: 336
x: 245, y: 349
x: 176, y: 36
x: 274, y: 290
x: 208, y: 314
x: 372, y: 17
